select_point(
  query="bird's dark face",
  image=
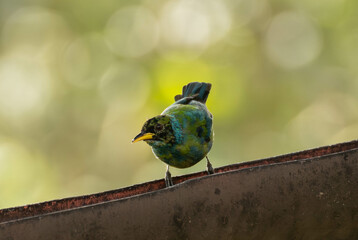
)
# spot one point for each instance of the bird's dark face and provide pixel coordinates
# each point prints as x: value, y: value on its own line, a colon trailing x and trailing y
x: 157, y: 130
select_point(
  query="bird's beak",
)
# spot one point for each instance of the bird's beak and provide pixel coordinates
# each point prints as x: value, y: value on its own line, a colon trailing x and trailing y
x: 143, y: 136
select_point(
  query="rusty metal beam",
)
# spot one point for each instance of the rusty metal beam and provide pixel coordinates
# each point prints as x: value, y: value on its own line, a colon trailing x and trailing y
x: 307, y: 195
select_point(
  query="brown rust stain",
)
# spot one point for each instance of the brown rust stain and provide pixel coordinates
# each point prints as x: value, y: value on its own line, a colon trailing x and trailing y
x: 74, y: 202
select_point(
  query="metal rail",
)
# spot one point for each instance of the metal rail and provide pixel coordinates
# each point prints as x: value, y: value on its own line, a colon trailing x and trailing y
x: 312, y: 194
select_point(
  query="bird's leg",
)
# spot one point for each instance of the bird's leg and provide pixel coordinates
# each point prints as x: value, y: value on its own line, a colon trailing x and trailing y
x: 209, y: 167
x: 168, y: 178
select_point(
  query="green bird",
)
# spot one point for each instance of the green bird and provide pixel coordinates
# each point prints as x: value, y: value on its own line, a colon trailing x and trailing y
x: 183, y: 134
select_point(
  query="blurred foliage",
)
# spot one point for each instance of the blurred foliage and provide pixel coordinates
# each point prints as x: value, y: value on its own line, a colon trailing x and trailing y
x: 79, y: 78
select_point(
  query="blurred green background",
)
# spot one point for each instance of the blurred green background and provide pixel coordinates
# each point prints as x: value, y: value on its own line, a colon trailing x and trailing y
x: 79, y: 78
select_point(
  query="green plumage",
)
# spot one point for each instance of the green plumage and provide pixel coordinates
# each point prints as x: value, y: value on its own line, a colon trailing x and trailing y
x: 182, y: 135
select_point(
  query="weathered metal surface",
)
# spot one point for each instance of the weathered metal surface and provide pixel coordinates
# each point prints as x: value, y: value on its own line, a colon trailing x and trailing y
x: 80, y: 201
x: 293, y: 198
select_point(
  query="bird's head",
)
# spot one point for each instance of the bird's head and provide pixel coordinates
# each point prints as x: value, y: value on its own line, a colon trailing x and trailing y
x: 157, y: 131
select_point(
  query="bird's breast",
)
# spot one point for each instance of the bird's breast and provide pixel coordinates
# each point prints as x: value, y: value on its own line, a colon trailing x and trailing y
x: 183, y: 155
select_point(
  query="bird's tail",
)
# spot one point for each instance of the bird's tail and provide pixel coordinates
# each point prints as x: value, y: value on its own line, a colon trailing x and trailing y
x: 199, y: 91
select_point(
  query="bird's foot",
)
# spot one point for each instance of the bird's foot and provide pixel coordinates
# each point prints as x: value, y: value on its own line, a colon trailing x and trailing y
x: 168, y: 178
x: 209, y: 167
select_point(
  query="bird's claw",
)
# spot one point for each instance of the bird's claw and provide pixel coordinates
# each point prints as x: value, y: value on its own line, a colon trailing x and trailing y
x: 209, y: 167
x: 168, y: 178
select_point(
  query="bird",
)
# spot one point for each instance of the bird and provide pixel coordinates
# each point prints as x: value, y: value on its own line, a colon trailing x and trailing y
x: 182, y: 135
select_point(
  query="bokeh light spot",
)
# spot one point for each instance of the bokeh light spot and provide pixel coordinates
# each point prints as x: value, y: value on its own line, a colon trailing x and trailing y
x: 76, y: 62
x: 184, y: 22
x: 36, y: 27
x: 24, y: 87
x: 247, y: 10
x: 124, y: 86
x: 194, y: 24
x: 292, y: 41
x: 132, y: 31
x: 85, y: 60
x: 325, y: 117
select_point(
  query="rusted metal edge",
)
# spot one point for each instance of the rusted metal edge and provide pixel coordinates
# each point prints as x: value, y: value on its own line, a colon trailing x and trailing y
x: 10, y: 214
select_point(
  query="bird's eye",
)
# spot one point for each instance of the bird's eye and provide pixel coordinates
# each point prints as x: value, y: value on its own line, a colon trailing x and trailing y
x: 159, y: 127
